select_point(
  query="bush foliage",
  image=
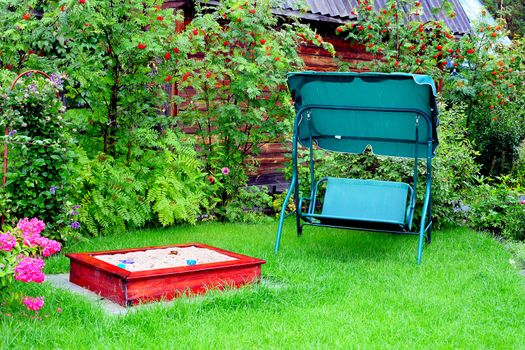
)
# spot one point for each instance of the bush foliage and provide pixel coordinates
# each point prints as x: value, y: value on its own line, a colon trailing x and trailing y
x: 235, y: 61
x: 131, y: 166
x: 40, y: 154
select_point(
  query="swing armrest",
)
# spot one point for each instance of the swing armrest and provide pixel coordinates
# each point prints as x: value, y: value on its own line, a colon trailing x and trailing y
x: 314, y: 195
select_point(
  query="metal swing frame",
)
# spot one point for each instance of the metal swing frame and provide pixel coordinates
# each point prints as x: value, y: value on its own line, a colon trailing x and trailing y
x: 370, y: 219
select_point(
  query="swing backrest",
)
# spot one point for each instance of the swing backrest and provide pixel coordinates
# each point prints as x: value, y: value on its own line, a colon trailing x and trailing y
x: 347, y: 112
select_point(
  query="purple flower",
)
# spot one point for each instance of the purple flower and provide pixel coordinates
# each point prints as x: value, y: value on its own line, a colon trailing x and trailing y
x: 12, y: 133
x: 32, y: 88
x: 75, y: 225
x: 53, y: 189
x: 76, y: 206
x: 56, y: 79
x: 74, y: 213
x: 225, y: 171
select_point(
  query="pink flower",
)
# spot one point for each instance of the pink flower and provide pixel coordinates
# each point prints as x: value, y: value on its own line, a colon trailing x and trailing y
x: 50, y: 246
x: 31, y: 230
x: 7, y: 242
x: 226, y: 171
x: 33, y: 303
x: 59, y: 310
x: 30, y: 270
x: 33, y: 226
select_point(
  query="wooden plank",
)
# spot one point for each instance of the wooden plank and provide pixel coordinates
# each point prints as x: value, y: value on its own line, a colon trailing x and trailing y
x: 200, y: 282
x: 110, y: 286
x: 274, y: 147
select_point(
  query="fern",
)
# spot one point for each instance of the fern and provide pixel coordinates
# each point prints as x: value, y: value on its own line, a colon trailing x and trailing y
x: 164, y: 185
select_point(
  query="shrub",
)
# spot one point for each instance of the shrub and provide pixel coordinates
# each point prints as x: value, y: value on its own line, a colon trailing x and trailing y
x: 24, y: 42
x: 249, y: 205
x: 519, y: 170
x: 498, y: 207
x: 113, y: 54
x: 489, y: 81
x: 21, y: 252
x: 398, y: 37
x: 515, y: 222
x: 232, y: 62
x: 40, y: 153
x: 481, y: 69
x: 135, y: 170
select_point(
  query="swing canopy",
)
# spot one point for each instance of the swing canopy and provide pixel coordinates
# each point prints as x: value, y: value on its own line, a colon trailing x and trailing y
x: 395, y: 115
x: 350, y: 111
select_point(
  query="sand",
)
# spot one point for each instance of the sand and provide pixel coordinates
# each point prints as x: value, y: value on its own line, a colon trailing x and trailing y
x: 162, y: 258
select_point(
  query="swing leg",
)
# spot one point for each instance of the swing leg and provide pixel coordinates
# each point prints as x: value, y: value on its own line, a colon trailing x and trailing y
x: 297, y: 212
x: 429, y: 233
x: 420, y: 245
x: 283, y: 212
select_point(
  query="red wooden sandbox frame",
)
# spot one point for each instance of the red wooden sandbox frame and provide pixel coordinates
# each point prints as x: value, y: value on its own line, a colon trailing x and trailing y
x: 132, y: 287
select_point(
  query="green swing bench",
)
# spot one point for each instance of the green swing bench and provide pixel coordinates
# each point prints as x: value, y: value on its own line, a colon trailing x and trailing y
x: 394, y: 114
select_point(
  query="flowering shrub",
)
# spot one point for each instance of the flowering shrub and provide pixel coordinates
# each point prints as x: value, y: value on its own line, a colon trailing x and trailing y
x: 135, y: 169
x: 232, y: 61
x: 481, y: 69
x: 27, y: 45
x: 401, y: 41
x: 22, y: 248
x: 29, y: 270
x: 126, y: 43
x: 490, y: 80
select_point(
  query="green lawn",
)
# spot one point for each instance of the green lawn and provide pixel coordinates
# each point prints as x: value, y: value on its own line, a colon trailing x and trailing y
x: 330, y: 289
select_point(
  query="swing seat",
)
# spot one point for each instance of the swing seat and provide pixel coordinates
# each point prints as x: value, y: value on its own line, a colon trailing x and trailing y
x: 393, y: 115
x: 364, y: 201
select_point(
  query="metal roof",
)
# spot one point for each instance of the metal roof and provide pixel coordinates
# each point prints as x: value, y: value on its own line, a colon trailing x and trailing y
x: 339, y: 11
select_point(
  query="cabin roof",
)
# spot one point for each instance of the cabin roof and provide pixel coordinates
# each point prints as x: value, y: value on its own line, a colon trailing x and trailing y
x: 340, y: 11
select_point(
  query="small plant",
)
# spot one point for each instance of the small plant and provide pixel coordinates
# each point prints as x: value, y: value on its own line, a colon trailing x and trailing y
x: 22, y: 249
x: 498, y: 207
x: 249, y: 205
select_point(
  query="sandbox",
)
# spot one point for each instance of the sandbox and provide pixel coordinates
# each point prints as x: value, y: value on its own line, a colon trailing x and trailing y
x: 132, y: 276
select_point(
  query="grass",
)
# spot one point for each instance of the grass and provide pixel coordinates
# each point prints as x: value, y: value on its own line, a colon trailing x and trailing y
x: 330, y: 289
